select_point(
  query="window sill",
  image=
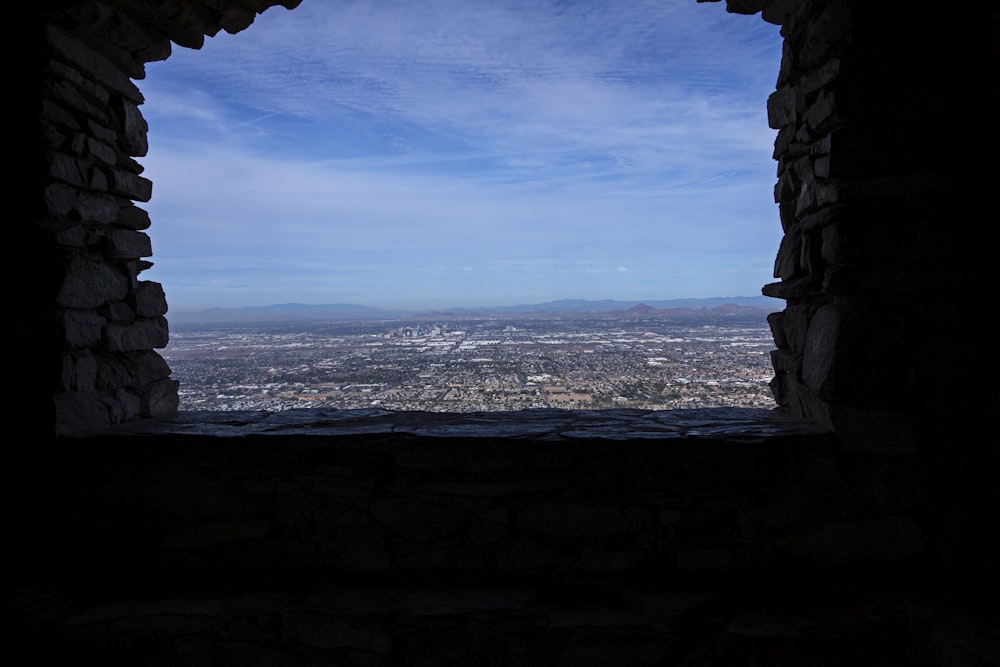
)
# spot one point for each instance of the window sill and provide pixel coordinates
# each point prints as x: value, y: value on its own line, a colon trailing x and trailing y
x: 721, y: 424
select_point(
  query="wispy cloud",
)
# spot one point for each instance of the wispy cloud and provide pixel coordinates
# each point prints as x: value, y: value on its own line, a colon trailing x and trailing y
x: 449, y: 134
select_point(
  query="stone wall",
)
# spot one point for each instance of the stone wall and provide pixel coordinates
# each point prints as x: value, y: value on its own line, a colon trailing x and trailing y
x: 689, y: 537
x: 885, y: 337
x: 107, y: 320
x: 89, y: 326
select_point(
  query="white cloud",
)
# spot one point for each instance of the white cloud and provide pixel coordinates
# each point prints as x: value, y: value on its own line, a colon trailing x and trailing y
x: 341, y: 141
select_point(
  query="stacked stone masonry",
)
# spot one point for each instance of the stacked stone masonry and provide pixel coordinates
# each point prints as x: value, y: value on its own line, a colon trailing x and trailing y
x: 550, y: 537
x: 107, y: 319
x: 874, y: 194
x: 105, y: 322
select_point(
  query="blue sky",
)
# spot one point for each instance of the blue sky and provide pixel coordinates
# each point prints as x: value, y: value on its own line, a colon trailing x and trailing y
x: 458, y: 153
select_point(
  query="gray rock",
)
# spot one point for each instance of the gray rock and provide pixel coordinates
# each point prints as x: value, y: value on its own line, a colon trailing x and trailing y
x: 128, y: 244
x: 80, y: 328
x: 142, y: 334
x: 149, y: 299
x: 90, y: 282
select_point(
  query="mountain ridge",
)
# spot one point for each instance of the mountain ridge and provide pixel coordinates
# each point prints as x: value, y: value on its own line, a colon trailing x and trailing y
x: 649, y: 308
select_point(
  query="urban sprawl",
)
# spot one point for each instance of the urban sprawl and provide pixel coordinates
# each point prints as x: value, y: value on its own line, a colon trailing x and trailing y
x: 471, y: 366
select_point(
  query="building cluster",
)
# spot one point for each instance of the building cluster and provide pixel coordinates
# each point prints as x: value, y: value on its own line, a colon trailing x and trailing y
x: 480, y: 366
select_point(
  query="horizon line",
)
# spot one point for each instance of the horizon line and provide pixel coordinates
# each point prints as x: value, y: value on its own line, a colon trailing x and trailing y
x: 396, y: 309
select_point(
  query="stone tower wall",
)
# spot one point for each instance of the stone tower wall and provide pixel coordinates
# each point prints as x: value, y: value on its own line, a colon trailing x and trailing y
x: 880, y: 263
x: 107, y: 320
x: 91, y: 325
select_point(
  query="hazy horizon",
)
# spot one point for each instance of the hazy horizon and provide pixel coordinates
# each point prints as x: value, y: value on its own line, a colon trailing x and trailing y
x: 622, y: 303
x: 454, y: 156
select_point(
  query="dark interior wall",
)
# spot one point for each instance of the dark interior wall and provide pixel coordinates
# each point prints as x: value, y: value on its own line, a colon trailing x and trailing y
x: 729, y: 538
x: 881, y: 263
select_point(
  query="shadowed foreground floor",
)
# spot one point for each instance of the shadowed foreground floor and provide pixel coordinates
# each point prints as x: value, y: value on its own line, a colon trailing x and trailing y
x: 701, y: 537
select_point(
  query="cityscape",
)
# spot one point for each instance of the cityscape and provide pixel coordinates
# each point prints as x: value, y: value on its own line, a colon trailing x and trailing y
x: 474, y: 365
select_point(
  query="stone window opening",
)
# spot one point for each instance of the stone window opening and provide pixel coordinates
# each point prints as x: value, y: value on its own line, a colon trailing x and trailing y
x: 161, y: 193
x: 94, y: 324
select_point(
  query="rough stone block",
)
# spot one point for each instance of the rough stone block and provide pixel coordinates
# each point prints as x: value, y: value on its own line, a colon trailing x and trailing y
x: 782, y: 108
x: 80, y: 329
x: 159, y: 399
x: 805, y: 199
x: 133, y: 217
x: 149, y: 299
x: 787, y: 187
x: 102, y: 133
x: 822, y: 77
x: 57, y: 115
x: 86, y: 99
x: 98, y: 181
x: 78, y: 145
x: 779, y: 389
x: 118, y: 312
x: 79, y: 372
x: 890, y: 485
x: 213, y: 534
x: 132, y: 186
x: 60, y: 198
x: 101, y: 152
x: 576, y: 520
x: 784, y: 142
x: 90, y: 282
x: 811, y: 258
x: 776, y: 322
x: 610, y: 562
x: 97, y: 208
x: 733, y: 557
x: 786, y: 361
x: 322, y: 630
x: 890, y: 539
x: 133, y: 140
x: 127, y: 244
x: 67, y: 234
x: 786, y: 264
x: 125, y: 407
x: 853, y: 355
x: 414, y: 517
x: 801, y: 401
x: 825, y: 34
x: 822, y: 115
x: 55, y: 139
x: 797, y: 325
x: 778, y: 11
x: 98, y: 67
x: 69, y: 169
x: 132, y: 369
x: 141, y: 334
x: 523, y: 554
x: 353, y: 547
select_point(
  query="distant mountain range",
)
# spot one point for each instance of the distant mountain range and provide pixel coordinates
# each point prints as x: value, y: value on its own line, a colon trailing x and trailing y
x: 713, y: 307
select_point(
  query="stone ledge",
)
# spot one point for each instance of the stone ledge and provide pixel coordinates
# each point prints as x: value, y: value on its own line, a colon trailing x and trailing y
x: 721, y: 424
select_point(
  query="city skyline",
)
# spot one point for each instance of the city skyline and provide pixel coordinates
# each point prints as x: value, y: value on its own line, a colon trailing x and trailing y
x: 442, y: 156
